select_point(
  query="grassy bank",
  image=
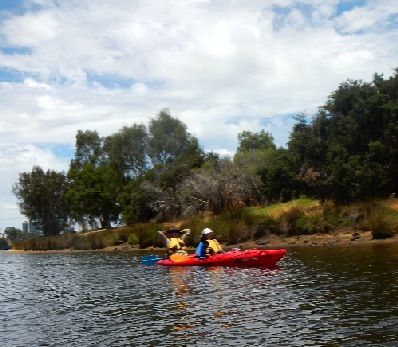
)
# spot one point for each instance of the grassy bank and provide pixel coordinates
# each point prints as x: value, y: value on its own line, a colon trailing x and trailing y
x: 301, y: 218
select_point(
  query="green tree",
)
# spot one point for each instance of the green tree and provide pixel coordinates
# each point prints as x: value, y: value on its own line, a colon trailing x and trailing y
x: 92, y: 195
x: 14, y: 234
x: 359, y: 163
x: 88, y: 149
x: 251, y: 142
x: 168, y: 139
x: 94, y: 184
x: 4, y: 244
x: 174, y: 153
x: 126, y: 151
x: 42, y: 198
x: 279, y: 177
x: 134, y: 202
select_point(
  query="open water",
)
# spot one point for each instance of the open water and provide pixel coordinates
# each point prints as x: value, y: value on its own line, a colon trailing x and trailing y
x: 317, y: 296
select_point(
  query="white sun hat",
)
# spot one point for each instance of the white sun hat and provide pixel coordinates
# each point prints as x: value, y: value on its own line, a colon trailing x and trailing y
x: 206, y: 231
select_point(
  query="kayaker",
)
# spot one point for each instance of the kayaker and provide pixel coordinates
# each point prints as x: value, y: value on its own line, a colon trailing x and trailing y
x: 208, y: 245
x: 173, y: 241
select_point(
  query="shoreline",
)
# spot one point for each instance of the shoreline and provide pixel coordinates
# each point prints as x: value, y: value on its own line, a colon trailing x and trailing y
x: 269, y: 242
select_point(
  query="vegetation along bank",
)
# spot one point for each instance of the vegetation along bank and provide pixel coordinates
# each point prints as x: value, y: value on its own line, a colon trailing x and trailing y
x: 144, y: 177
x: 303, y: 222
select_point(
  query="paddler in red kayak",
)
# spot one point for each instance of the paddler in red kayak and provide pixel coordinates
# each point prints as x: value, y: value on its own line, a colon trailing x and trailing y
x: 208, y: 245
x: 173, y: 241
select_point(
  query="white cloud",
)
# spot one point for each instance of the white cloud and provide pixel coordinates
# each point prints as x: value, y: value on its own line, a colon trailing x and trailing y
x: 31, y: 29
x: 374, y: 16
x: 220, y: 67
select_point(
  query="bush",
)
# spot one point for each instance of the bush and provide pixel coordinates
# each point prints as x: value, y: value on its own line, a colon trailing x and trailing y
x: 289, y: 220
x: 112, y: 239
x: 380, y: 225
x: 147, y: 235
x: 132, y: 240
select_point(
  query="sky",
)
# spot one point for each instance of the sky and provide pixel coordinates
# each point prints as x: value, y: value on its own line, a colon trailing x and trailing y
x: 221, y: 67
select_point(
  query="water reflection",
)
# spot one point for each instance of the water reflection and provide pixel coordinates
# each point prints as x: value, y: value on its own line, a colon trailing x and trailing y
x: 319, y: 296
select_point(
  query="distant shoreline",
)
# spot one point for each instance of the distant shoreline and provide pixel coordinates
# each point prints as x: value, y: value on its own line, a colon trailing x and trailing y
x: 272, y: 241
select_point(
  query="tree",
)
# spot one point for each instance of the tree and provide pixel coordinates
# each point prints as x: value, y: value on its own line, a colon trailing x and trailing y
x: 251, y: 142
x: 252, y: 157
x: 88, y: 149
x: 168, y: 138
x: 126, y: 151
x: 93, y: 194
x: 218, y: 185
x: 349, y: 151
x: 94, y: 183
x: 134, y: 202
x: 279, y: 177
x: 14, y: 235
x: 42, y: 198
x: 4, y: 244
x: 174, y: 153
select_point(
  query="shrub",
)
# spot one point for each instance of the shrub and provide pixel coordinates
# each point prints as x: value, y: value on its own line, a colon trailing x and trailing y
x: 289, y: 219
x: 380, y: 225
x: 132, y: 239
x: 112, y: 239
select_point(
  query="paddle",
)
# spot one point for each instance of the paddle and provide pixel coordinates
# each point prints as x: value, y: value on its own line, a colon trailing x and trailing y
x: 178, y: 258
x: 150, y: 259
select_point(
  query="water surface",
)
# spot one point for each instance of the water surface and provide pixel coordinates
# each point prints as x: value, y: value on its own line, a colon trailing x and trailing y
x: 317, y: 296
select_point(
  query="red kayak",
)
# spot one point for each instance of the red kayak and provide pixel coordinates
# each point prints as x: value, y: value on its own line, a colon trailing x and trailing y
x: 250, y: 257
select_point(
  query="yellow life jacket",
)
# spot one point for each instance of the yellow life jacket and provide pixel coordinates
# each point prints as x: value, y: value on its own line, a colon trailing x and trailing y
x: 176, y: 244
x: 213, y: 247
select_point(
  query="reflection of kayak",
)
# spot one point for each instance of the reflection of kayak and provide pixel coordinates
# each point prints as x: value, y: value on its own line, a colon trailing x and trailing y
x: 250, y: 257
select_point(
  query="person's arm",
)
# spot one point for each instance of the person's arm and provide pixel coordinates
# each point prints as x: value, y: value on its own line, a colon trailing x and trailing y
x: 185, y: 233
x: 201, y: 250
x: 163, y: 239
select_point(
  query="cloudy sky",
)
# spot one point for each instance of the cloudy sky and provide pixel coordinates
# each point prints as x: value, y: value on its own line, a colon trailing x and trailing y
x: 220, y: 66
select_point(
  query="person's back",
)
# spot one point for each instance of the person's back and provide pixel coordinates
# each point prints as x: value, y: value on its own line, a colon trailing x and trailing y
x: 172, y: 241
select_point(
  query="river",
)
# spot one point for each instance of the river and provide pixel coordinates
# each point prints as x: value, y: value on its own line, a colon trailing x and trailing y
x: 317, y: 296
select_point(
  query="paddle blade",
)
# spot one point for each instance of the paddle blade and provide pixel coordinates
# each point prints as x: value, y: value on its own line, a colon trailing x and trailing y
x: 150, y: 259
x: 178, y: 258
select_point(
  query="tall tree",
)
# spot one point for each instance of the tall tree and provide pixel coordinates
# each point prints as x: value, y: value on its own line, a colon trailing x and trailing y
x: 279, y: 177
x: 42, y: 198
x: 93, y: 194
x: 126, y: 150
x: 252, y: 157
x: 251, y: 142
x: 174, y: 153
x: 134, y: 202
x: 93, y: 184
x: 168, y: 138
x: 88, y: 149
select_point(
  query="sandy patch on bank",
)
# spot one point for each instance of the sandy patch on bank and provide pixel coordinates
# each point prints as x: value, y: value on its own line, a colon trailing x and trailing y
x: 338, y: 238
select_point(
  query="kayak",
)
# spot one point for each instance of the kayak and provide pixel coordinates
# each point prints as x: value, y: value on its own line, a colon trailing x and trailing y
x: 250, y: 257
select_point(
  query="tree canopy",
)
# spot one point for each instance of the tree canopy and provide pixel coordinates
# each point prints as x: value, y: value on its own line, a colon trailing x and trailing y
x: 42, y: 198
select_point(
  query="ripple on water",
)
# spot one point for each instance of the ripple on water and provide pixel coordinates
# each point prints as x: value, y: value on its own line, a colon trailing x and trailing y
x: 317, y: 296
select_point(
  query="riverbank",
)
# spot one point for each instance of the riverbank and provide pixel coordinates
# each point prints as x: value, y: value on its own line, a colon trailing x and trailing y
x: 342, y: 237
x: 301, y: 222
